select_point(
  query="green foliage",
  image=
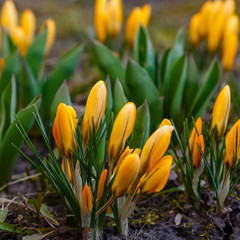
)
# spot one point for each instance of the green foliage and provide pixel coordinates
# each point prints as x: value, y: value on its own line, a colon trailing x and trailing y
x: 173, y: 86
x: 11, y: 134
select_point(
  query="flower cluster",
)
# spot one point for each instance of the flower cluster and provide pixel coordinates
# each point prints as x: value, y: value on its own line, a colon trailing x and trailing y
x: 215, y: 22
x: 22, y: 34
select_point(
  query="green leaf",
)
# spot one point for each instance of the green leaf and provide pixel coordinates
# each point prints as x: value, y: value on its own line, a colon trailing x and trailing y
x: 140, y: 84
x: 35, y: 53
x: 29, y: 88
x: 109, y: 103
x: 11, y: 68
x: 62, y: 96
x: 119, y: 98
x: 161, y: 69
x: 8, y: 154
x: 141, y: 129
x: 8, y: 106
x: 3, y: 215
x: 192, y: 83
x: 175, y: 88
x: 206, y: 90
x: 64, y: 69
x: 110, y: 64
x: 143, y: 51
x: 173, y: 56
x: 7, y: 45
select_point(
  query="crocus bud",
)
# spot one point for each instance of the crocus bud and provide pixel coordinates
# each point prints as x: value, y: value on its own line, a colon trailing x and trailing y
x: 126, y: 175
x: 86, y: 200
x: 51, y: 34
x: 215, y: 33
x: 139, y: 16
x: 94, y: 111
x: 126, y: 152
x: 114, y: 17
x: 101, y: 183
x: 28, y: 24
x: 232, y: 25
x: 20, y: 40
x: 155, y: 147
x: 9, y: 16
x: 232, y: 143
x: 221, y: 110
x: 229, y: 7
x: 196, y: 155
x: 205, y: 13
x: 229, y: 51
x: 194, y: 29
x: 100, y: 20
x: 157, y: 177
x: 195, y: 134
x: 165, y: 122
x: 64, y: 129
x: 122, y: 128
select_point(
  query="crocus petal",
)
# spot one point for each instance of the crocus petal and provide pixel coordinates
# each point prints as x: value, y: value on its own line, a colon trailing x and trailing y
x: 195, y: 134
x: 122, y: 129
x: 64, y: 129
x: 28, y: 23
x: 157, y: 177
x: 126, y: 175
x: 232, y: 143
x: 9, y: 16
x: 101, y: 183
x: 196, y: 155
x: 95, y: 109
x: 51, y: 34
x: 221, y: 110
x: 155, y: 147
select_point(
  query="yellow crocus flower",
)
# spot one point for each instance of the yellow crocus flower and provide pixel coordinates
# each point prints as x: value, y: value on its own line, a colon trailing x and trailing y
x: 108, y: 18
x: 126, y: 175
x: 64, y: 129
x: 221, y: 110
x: 122, y: 128
x: 28, y: 24
x: 155, y: 147
x: 196, y: 155
x: 9, y: 16
x: 232, y: 25
x: 19, y: 39
x: 215, y: 33
x: 94, y: 111
x: 126, y: 152
x: 114, y: 17
x: 139, y: 16
x: 205, y: 14
x: 157, y: 177
x: 229, y: 51
x: 232, y: 143
x: 194, y: 29
x: 51, y: 34
x: 101, y: 183
x: 165, y: 122
x: 195, y: 134
x: 86, y: 201
x: 229, y: 7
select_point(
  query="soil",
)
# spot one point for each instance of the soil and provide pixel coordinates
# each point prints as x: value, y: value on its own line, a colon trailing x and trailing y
x: 162, y: 216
